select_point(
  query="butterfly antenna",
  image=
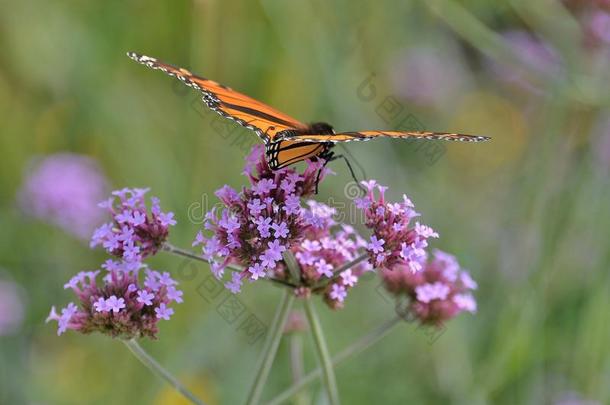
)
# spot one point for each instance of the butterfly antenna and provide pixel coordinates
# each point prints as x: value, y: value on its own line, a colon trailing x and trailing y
x: 351, y: 171
x: 358, y: 167
x: 333, y: 157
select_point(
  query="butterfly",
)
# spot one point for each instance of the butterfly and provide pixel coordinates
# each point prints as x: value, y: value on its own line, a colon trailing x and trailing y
x: 287, y: 140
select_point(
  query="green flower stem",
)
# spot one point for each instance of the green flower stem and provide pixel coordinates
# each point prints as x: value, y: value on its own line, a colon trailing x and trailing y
x: 297, y: 366
x: 296, y: 356
x: 191, y: 255
x: 182, y: 252
x: 355, y: 348
x: 324, y: 359
x: 337, y: 272
x: 167, y: 247
x: 351, y: 264
x: 157, y: 369
x: 293, y: 266
x: 271, y: 344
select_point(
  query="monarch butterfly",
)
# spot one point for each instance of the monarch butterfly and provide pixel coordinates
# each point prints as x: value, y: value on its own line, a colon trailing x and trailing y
x: 287, y: 140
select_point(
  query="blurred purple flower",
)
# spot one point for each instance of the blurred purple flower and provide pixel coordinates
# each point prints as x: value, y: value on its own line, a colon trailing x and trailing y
x: 598, y: 26
x: 437, y: 293
x: 63, y: 189
x: 337, y: 293
x: 136, y: 232
x: 576, y: 401
x: 296, y: 323
x: 11, y: 308
x: 121, y: 305
x: 574, y: 398
x: 431, y: 291
x: 533, y: 53
x: 429, y: 76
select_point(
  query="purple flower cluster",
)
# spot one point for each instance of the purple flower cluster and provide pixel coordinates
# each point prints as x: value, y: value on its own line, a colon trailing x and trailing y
x: 257, y: 225
x: 134, y: 232
x: 63, y: 190
x: 325, y: 247
x: 120, y: 305
x: 437, y: 293
x: 395, y: 241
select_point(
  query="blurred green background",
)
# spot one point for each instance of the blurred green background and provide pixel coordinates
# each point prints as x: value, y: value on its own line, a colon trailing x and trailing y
x: 527, y: 213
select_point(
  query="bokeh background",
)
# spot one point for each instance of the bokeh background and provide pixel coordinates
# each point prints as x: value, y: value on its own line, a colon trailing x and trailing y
x: 527, y: 213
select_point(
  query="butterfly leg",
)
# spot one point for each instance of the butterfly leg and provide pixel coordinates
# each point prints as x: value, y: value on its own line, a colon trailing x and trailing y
x: 330, y: 156
x: 320, y: 173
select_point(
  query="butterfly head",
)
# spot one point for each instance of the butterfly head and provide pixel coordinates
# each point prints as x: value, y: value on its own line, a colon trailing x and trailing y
x: 321, y: 128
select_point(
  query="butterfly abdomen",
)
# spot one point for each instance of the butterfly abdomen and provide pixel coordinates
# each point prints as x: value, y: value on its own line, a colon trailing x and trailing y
x: 286, y: 152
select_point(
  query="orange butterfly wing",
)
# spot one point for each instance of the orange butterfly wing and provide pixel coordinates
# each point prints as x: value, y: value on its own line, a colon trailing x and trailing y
x: 266, y: 121
x: 368, y: 135
x: 286, y: 138
x: 292, y: 147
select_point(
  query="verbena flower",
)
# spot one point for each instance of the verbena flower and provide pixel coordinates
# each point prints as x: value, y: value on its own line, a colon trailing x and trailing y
x: 63, y: 189
x: 326, y: 246
x: 255, y: 227
x: 437, y: 293
x: 258, y: 224
x: 396, y: 240
x: 122, y: 304
x: 135, y: 231
x: 11, y: 307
